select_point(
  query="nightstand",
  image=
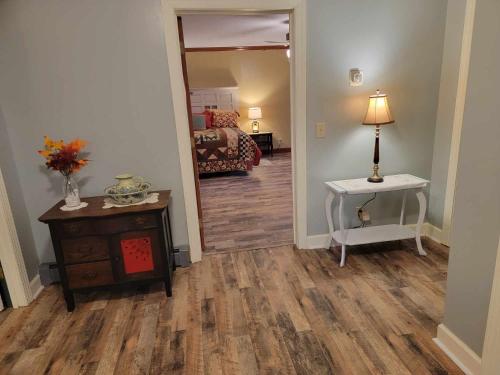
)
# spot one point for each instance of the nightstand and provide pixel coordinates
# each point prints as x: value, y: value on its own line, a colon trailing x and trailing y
x: 264, y: 140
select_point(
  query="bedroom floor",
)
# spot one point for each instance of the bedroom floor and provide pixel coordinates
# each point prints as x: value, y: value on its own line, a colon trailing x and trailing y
x: 249, y: 211
x: 265, y: 311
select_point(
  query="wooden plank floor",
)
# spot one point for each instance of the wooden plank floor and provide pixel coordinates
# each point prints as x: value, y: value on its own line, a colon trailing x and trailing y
x: 266, y: 311
x: 249, y: 211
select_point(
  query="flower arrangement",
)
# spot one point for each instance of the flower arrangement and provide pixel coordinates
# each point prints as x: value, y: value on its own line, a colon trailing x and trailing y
x: 62, y: 157
x: 65, y: 158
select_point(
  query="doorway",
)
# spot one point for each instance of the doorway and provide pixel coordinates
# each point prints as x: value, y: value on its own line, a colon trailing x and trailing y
x: 15, y: 278
x: 298, y: 106
x: 237, y: 76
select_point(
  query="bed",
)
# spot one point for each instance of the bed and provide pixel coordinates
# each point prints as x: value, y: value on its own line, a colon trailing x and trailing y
x: 221, y: 146
x: 225, y: 149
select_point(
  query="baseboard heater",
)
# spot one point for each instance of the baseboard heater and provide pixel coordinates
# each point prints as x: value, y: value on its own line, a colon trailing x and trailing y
x: 182, y: 258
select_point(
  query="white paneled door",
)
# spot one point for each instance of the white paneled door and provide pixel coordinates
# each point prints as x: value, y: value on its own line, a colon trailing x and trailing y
x: 225, y: 98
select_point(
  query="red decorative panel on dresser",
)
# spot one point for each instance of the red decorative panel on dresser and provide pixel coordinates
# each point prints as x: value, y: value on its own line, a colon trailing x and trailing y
x: 137, y: 255
x: 99, y: 248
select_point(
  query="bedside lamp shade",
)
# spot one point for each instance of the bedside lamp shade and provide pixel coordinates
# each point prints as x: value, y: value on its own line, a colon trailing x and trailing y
x: 254, y: 113
x: 378, y: 112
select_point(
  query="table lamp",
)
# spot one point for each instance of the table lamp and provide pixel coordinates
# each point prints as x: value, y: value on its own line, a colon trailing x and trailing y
x: 378, y: 113
x: 255, y: 113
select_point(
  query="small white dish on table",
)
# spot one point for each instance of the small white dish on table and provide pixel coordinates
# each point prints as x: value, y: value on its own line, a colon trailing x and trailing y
x: 379, y: 233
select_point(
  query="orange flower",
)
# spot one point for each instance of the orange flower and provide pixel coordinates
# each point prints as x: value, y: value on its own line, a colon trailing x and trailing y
x: 63, y: 157
x: 44, y: 153
x: 53, y: 145
x: 77, y: 144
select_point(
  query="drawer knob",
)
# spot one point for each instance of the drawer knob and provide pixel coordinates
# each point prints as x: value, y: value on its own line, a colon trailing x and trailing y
x: 72, y: 228
x: 89, y: 275
x: 140, y: 220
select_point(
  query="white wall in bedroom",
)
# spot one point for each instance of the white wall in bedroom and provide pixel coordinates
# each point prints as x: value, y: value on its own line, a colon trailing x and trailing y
x: 262, y: 78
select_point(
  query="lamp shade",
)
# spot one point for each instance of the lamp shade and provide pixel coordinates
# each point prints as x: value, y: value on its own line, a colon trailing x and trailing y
x: 378, y: 112
x: 254, y: 113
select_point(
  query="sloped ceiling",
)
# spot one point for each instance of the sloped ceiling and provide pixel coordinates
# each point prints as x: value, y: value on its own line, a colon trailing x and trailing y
x: 234, y: 31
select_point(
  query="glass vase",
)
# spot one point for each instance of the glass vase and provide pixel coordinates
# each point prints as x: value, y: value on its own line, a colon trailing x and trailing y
x: 71, y: 192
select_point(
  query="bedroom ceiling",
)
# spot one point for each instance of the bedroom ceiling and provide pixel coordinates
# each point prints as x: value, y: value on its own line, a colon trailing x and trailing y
x: 234, y: 31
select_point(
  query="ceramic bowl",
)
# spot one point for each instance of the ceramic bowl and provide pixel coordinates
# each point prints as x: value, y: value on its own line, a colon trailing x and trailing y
x: 122, y: 196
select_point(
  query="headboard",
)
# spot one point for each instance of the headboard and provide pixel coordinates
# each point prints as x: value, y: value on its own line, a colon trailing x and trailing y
x: 226, y: 98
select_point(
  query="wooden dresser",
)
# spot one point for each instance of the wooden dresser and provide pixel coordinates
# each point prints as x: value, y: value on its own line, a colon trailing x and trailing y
x: 98, y: 248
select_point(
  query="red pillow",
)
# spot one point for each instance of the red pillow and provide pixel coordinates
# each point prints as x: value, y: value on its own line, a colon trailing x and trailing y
x: 209, y: 118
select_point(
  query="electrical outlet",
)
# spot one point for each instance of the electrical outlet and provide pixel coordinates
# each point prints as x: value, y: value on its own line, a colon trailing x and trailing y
x: 320, y: 130
x: 363, y: 215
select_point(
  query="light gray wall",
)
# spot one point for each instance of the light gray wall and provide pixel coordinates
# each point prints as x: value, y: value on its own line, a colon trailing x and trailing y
x: 98, y: 70
x: 398, y: 44
x: 446, y: 108
x: 476, y: 221
x: 17, y: 204
x: 91, y: 69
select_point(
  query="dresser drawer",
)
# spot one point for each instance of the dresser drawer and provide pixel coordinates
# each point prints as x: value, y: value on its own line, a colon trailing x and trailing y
x: 89, y: 274
x: 84, y: 249
x: 112, y: 225
x: 128, y: 223
x: 76, y: 228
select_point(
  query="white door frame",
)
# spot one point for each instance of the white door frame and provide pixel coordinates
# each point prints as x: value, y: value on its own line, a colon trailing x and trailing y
x: 490, y: 361
x: 297, y: 8
x: 463, y: 75
x: 11, y: 255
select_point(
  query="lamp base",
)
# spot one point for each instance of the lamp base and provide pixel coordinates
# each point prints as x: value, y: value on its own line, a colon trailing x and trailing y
x: 255, y: 126
x: 375, y: 178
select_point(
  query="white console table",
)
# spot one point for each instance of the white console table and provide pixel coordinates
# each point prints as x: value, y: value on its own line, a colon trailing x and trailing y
x: 380, y: 233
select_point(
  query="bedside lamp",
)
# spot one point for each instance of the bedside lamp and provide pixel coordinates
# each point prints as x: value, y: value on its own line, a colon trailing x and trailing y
x: 378, y: 113
x: 255, y: 113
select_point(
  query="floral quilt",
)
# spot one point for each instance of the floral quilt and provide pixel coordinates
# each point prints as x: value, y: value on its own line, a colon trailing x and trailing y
x: 225, y: 150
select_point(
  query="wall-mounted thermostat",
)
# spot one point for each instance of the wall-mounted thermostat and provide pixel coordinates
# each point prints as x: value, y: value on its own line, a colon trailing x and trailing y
x: 355, y: 77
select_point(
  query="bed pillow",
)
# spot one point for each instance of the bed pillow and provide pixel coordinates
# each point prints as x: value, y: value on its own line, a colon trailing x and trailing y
x: 199, y: 121
x: 225, y: 119
x: 209, y: 118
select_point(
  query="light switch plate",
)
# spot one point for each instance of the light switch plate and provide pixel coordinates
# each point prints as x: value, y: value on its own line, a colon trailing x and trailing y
x: 320, y: 130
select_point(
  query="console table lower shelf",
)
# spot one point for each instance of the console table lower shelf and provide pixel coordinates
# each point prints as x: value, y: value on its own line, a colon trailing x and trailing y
x: 379, y: 233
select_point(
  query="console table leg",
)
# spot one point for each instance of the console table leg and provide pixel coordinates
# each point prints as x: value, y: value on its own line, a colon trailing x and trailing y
x: 422, y: 202
x: 328, y: 210
x: 343, y: 233
x: 403, y: 208
x: 342, y: 259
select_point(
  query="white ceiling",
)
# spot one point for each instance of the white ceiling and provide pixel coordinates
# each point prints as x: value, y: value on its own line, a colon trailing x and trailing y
x: 209, y: 30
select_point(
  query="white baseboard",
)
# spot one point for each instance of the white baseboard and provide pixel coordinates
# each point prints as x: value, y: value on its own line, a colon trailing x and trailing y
x: 319, y: 241
x: 463, y: 356
x: 36, y: 286
x: 429, y: 230
x: 322, y: 241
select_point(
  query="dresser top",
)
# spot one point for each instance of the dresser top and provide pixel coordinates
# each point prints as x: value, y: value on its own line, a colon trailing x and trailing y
x: 95, y: 210
x: 390, y: 183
